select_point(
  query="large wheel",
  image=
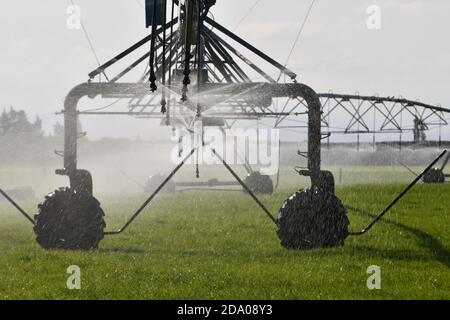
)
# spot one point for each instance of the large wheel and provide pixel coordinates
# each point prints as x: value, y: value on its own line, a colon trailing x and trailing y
x: 434, y: 175
x: 69, y: 220
x: 326, y: 181
x: 259, y: 183
x: 153, y: 182
x: 312, y: 219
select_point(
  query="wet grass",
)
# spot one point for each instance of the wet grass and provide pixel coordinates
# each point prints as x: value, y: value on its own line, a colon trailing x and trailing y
x: 206, y: 245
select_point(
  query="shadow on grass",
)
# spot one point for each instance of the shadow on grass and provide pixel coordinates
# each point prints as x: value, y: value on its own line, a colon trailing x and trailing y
x: 390, y: 254
x: 121, y: 250
x: 427, y: 241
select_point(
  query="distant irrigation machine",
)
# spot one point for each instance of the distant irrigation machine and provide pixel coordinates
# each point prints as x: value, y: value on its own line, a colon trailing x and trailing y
x: 193, y: 74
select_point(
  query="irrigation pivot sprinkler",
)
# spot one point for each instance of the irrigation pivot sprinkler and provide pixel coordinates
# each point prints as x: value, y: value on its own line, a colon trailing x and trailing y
x: 193, y: 77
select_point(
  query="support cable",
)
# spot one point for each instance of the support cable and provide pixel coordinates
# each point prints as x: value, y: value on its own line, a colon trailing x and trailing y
x: 302, y: 26
x: 91, y: 46
x: 140, y: 4
x: 247, y: 14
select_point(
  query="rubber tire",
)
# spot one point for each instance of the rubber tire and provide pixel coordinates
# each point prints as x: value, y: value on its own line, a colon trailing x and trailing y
x: 327, y: 181
x: 434, y: 175
x: 312, y: 219
x: 69, y: 220
x: 259, y: 183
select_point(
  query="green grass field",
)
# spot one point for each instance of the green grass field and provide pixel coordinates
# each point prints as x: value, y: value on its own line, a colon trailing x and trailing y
x: 209, y: 245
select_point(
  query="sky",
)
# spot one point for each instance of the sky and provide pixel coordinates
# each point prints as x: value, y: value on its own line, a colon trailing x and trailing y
x: 42, y: 59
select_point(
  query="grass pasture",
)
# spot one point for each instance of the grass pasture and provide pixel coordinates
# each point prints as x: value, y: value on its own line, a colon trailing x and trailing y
x: 211, y: 245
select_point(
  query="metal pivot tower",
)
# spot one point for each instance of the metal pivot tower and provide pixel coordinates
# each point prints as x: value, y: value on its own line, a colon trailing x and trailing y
x: 196, y: 59
x: 190, y: 58
x: 198, y: 71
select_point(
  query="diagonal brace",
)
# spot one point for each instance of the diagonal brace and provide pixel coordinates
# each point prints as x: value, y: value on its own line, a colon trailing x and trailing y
x: 23, y: 212
x: 152, y: 196
x: 234, y: 174
x: 399, y: 196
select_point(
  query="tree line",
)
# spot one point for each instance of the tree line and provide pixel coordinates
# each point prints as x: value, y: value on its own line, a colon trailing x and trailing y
x: 24, y: 142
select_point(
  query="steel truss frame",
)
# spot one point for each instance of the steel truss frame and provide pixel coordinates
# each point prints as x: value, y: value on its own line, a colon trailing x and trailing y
x: 229, y: 93
x: 360, y: 114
